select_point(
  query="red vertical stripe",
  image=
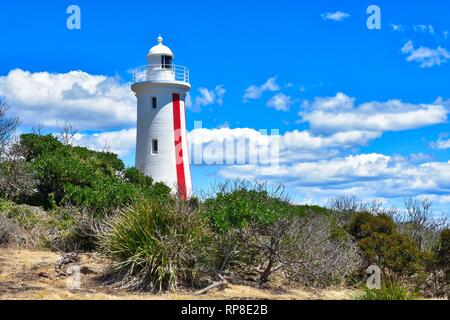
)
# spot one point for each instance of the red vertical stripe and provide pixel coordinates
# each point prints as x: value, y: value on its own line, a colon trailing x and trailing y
x: 181, y: 178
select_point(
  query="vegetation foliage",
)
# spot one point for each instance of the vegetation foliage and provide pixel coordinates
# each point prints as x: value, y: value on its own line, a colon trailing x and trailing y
x: 64, y: 197
x: 156, y: 246
x: 389, y: 291
x: 85, y: 178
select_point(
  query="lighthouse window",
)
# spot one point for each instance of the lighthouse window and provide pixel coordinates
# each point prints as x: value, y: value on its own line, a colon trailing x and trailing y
x: 166, y: 62
x: 154, y: 146
x: 154, y: 103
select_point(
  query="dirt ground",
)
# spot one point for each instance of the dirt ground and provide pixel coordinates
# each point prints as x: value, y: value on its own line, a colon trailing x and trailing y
x: 28, y: 274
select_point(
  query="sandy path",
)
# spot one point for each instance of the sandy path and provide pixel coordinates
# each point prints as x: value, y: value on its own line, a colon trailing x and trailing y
x: 31, y: 275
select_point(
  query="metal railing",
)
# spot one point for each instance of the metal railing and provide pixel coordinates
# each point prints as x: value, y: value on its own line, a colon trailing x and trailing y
x: 160, y: 72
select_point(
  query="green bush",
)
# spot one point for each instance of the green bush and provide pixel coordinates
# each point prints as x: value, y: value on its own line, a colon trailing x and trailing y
x: 252, y: 225
x: 382, y: 244
x: 12, y: 234
x: 438, y: 265
x: 70, y: 229
x: 55, y: 171
x: 103, y: 195
x: 26, y: 216
x: 237, y: 210
x: 242, y: 206
x: 388, y: 291
x: 36, y: 146
x: 62, y: 229
x: 156, y: 246
x: 442, y: 252
x: 68, y: 175
x: 32, y: 223
x: 5, y: 205
x: 16, y: 178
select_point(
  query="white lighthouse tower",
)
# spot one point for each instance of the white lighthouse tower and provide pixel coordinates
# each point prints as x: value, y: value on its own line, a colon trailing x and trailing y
x: 161, y: 146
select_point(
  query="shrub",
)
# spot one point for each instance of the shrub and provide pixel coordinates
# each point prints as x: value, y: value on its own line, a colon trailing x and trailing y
x: 55, y: 172
x: 238, y: 204
x: 70, y: 229
x: 319, y: 254
x: 420, y: 224
x: 37, y: 146
x: 103, y: 195
x: 16, y: 179
x: 442, y: 253
x: 23, y: 225
x: 27, y: 217
x: 5, y: 205
x: 437, y: 280
x: 344, y: 208
x: 383, y: 245
x: 258, y: 231
x: 155, y: 246
x: 12, y: 234
x: 389, y: 291
x: 248, y: 226
x: 63, y: 229
x: 68, y: 175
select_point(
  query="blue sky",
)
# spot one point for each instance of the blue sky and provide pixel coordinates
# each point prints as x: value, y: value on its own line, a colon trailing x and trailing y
x: 359, y: 111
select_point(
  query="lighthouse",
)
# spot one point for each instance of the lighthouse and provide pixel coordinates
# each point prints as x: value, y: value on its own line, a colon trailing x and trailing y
x: 161, y: 141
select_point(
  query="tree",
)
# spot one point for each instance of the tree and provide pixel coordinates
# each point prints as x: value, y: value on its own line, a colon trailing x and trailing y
x: 382, y: 244
x: 8, y: 125
x: 420, y: 224
x: 344, y: 208
x: 442, y: 254
x: 16, y: 179
x: 67, y: 133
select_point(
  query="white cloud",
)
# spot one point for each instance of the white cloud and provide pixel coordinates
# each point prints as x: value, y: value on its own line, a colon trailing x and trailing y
x: 314, y: 166
x: 91, y: 102
x: 420, y: 157
x: 188, y: 100
x: 335, y: 16
x: 280, y: 102
x: 254, y: 92
x: 441, y: 143
x: 363, y: 175
x: 206, y: 97
x: 426, y: 57
x: 424, y: 28
x: 120, y: 142
x: 396, y: 27
x: 306, y: 140
x: 293, y: 145
x: 339, y: 113
x: 444, y: 199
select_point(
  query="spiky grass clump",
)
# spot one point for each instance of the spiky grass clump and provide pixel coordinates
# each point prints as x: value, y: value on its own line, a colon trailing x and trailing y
x: 389, y: 291
x: 155, y: 246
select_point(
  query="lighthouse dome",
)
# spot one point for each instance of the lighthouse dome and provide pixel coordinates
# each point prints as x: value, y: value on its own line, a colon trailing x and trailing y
x: 160, y: 49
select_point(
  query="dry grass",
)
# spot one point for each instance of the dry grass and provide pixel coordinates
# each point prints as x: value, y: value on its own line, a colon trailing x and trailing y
x: 28, y: 274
